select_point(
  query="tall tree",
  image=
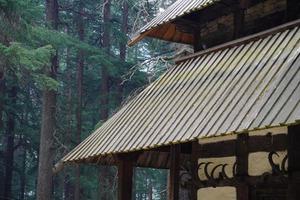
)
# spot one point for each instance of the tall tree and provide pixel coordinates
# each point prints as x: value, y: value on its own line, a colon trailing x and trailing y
x: 23, y: 172
x: 2, y: 84
x: 104, y: 171
x: 104, y: 71
x: 1, y: 96
x: 45, y: 182
x: 68, y: 194
x: 9, y: 140
x: 123, y: 48
x: 25, y: 49
x: 80, y: 68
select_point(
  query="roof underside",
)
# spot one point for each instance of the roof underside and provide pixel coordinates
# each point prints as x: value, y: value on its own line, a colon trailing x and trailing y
x: 162, y: 26
x: 235, y: 89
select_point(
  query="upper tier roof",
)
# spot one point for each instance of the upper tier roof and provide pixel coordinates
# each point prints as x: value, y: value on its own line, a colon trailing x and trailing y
x: 248, y: 84
x: 162, y: 27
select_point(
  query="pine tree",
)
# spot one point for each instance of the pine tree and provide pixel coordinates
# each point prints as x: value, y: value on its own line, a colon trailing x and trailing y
x: 46, y: 154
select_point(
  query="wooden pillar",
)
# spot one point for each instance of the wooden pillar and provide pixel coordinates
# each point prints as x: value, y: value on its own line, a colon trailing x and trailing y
x: 197, y: 40
x: 194, y: 160
x: 174, y: 174
x: 125, y: 176
x: 292, y: 9
x: 239, y: 18
x: 242, y: 155
x: 293, y: 162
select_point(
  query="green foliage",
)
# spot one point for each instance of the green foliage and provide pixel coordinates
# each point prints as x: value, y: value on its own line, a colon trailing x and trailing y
x: 43, y: 81
x: 32, y: 59
x: 26, y: 49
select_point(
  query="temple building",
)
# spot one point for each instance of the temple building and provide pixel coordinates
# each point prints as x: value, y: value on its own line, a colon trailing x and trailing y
x: 224, y: 120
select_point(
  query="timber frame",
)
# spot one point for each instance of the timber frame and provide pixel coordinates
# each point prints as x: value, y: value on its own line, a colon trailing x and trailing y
x: 240, y: 147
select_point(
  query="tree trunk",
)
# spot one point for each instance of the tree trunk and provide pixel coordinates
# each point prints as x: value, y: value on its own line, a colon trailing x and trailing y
x: 9, y: 143
x: 105, y: 171
x: 23, y: 174
x: 1, y: 97
x: 44, y: 186
x: 2, y: 84
x: 150, y: 192
x: 46, y: 154
x: 4, y: 41
x: 124, y: 30
x: 80, y: 67
x: 67, y: 190
x: 2, y: 133
x: 104, y: 72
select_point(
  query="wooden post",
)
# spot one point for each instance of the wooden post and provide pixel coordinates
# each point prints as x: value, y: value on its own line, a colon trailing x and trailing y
x: 194, y: 160
x: 242, y: 166
x: 293, y: 163
x: 173, y: 187
x: 125, y: 176
x: 239, y: 18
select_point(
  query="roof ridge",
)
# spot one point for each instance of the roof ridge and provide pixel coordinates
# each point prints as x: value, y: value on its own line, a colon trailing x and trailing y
x: 237, y: 42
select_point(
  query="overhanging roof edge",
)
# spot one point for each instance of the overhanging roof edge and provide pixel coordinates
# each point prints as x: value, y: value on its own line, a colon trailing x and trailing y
x: 180, y: 8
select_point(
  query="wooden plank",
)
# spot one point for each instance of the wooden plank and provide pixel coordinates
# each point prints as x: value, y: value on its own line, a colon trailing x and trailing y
x: 170, y: 32
x: 242, y: 187
x: 293, y: 162
x: 173, y: 187
x: 218, y: 149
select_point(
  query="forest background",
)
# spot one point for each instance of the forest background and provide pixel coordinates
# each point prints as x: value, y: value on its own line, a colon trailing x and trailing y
x: 64, y: 69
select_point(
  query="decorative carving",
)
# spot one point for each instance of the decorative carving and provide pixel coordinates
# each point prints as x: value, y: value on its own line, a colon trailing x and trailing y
x: 278, y: 168
x: 214, y: 173
x: 212, y: 178
x: 217, y: 174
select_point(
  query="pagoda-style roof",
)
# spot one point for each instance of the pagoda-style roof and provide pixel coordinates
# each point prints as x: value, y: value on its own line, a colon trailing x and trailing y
x: 248, y: 84
x: 162, y: 26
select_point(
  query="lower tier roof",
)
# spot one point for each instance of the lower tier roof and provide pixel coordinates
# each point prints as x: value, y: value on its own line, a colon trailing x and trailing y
x: 249, y: 84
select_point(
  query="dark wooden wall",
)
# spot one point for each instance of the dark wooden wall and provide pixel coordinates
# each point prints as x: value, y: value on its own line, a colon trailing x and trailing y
x: 227, y: 20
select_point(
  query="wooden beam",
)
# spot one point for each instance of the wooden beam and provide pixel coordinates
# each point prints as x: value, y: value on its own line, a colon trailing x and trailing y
x: 293, y: 162
x: 173, y: 183
x: 251, y: 180
x: 242, y: 154
x: 125, y: 175
x: 265, y: 143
